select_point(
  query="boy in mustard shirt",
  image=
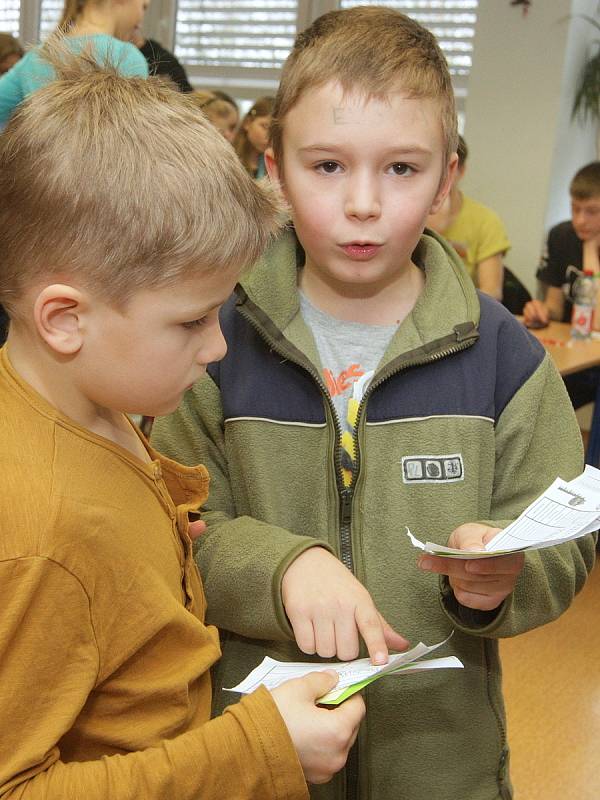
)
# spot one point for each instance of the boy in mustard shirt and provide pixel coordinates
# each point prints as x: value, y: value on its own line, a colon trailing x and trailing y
x: 116, y: 251
x: 369, y: 387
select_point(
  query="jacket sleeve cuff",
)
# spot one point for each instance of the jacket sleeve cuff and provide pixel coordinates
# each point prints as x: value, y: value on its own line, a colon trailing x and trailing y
x: 470, y: 620
x: 267, y: 735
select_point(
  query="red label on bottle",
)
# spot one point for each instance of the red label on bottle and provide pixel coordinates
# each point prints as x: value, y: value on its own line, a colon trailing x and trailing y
x: 581, y: 321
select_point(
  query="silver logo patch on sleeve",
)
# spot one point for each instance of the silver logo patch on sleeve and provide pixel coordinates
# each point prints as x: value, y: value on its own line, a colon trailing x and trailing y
x: 433, y: 469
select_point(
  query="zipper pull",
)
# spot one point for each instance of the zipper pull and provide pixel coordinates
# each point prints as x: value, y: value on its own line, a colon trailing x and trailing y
x: 346, y: 508
x: 464, y: 331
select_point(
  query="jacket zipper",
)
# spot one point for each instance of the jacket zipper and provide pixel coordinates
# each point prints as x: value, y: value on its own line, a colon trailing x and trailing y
x: 503, y: 761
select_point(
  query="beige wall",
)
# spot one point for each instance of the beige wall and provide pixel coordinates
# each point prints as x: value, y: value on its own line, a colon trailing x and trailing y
x: 523, y: 147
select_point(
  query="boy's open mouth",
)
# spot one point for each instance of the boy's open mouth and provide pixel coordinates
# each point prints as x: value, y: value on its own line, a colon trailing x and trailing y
x: 361, y: 251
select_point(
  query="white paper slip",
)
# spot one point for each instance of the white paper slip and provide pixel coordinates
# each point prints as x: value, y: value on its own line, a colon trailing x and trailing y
x: 565, y: 511
x: 353, y: 675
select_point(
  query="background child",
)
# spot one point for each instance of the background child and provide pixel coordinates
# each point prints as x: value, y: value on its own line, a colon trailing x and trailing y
x: 475, y: 231
x: 103, y: 25
x: 252, y: 137
x: 571, y: 246
x: 10, y: 51
x: 219, y: 111
x: 369, y: 387
x: 161, y: 61
x: 114, y: 288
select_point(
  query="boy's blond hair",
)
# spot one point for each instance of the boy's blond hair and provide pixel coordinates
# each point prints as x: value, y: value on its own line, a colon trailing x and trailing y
x: 121, y: 184
x: 586, y: 182
x: 374, y: 50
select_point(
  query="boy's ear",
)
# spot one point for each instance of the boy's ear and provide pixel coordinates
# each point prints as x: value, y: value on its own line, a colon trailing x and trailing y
x: 271, y: 165
x: 445, y: 185
x: 58, y: 314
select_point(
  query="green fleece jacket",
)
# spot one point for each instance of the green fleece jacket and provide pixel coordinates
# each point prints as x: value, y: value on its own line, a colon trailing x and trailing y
x: 466, y: 419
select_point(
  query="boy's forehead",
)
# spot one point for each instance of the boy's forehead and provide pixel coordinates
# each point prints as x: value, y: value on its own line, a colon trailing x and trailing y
x: 356, y: 96
x: 586, y: 202
x: 330, y: 106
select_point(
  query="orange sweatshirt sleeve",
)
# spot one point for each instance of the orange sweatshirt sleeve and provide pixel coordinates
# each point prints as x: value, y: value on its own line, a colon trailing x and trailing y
x: 49, y: 663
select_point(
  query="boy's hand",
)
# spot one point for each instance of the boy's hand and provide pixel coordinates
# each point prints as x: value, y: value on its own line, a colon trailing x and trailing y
x: 481, y: 583
x: 196, y: 529
x: 536, y: 314
x: 322, y: 736
x: 328, y: 608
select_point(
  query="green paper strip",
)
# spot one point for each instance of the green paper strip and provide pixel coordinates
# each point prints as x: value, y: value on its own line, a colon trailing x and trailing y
x: 356, y: 687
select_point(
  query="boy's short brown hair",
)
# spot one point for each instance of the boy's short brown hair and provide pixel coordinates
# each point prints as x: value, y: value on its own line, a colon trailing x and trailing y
x: 373, y: 49
x: 122, y: 184
x: 586, y: 182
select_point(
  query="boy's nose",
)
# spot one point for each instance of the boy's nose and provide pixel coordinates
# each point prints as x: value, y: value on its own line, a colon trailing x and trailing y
x: 362, y: 200
x: 215, y: 349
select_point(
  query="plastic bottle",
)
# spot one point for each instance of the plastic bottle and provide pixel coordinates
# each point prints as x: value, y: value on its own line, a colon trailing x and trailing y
x: 584, y: 302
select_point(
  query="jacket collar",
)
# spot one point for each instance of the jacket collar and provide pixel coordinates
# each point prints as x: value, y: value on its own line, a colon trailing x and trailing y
x: 448, y: 300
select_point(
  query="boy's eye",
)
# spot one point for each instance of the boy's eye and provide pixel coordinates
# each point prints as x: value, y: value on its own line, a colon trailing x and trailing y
x: 194, y: 323
x: 401, y: 169
x: 327, y: 167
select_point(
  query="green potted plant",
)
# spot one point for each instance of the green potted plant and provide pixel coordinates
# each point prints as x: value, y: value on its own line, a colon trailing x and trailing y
x: 586, y: 104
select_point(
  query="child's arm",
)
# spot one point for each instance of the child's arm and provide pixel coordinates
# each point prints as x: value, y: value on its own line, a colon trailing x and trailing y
x: 49, y: 665
x: 11, y: 93
x: 490, y: 275
x: 591, y: 255
x: 537, y: 438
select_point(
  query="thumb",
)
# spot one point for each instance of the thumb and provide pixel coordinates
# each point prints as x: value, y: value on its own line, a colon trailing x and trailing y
x: 469, y: 536
x: 316, y: 684
x: 196, y: 529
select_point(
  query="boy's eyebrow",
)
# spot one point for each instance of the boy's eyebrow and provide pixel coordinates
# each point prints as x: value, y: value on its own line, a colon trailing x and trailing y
x: 198, y: 311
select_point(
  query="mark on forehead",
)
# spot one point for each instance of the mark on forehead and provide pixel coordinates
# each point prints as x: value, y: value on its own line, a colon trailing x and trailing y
x: 342, y: 115
x: 351, y: 115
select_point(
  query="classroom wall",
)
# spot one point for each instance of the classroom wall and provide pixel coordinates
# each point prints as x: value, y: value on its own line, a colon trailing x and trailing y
x: 523, y: 147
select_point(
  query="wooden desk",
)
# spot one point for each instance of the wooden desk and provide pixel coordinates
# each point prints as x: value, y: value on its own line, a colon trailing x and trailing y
x: 569, y: 355
x: 573, y: 355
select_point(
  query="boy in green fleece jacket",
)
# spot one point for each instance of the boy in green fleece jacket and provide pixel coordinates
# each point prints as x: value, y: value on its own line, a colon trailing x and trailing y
x: 368, y: 387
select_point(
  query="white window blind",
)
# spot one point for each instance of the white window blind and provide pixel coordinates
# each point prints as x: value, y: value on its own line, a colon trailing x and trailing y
x: 10, y: 14
x: 247, y: 41
x: 235, y: 38
x: 451, y: 21
x: 50, y: 14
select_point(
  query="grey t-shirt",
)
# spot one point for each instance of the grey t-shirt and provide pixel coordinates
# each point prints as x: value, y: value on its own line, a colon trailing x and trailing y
x: 349, y: 353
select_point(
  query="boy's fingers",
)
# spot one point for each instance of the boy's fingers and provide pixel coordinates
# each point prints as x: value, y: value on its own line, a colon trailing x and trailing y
x: 353, y: 710
x: 371, y: 629
x: 486, y: 569
x: 346, y: 638
x: 324, y: 632
x: 501, y: 565
x: 304, y: 634
x: 441, y: 566
x: 481, y: 602
x: 196, y: 529
x: 481, y: 587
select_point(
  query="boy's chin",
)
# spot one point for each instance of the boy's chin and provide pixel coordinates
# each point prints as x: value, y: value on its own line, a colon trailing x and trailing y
x: 160, y: 409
